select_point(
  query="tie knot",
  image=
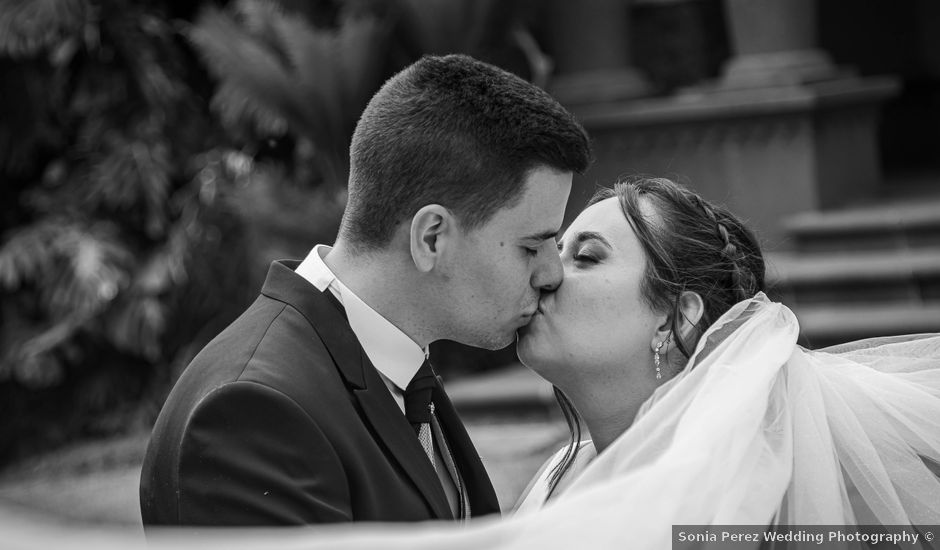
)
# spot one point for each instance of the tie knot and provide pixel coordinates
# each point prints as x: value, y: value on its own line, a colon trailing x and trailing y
x: 419, y: 393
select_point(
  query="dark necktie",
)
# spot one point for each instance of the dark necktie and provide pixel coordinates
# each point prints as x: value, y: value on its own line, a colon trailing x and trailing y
x: 419, y: 409
x: 419, y: 406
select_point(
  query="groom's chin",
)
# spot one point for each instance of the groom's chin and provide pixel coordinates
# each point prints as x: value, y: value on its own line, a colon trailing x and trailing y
x: 491, y: 341
x: 499, y: 340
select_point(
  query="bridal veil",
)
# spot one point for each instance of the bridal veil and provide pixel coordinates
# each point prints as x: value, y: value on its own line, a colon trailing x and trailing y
x: 755, y: 430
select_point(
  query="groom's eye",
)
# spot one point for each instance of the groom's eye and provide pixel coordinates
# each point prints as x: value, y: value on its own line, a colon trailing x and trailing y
x: 531, y: 251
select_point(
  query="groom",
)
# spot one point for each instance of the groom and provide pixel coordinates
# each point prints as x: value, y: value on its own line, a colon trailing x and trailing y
x: 318, y: 404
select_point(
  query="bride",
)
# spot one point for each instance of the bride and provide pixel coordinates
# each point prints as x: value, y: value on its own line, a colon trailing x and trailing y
x: 637, y: 297
x: 746, y: 429
x: 700, y: 406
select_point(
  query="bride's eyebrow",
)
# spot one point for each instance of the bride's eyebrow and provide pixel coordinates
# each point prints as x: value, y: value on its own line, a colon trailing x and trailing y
x: 591, y: 236
x: 583, y: 236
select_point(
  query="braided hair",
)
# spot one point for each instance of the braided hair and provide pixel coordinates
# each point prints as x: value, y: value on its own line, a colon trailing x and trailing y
x: 694, y: 246
x: 690, y: 246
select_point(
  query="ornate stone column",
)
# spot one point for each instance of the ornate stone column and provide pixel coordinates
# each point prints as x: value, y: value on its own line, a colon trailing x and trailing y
x: 775, y: 43
x: 592, y: 52
x: 783, y: 131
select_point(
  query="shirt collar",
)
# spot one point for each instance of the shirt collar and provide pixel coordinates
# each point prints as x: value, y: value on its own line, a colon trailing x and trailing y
x: 393, y: 353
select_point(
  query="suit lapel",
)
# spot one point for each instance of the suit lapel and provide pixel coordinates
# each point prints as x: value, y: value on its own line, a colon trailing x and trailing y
x: 324, y: 314
x: 399, y: 437
x: 328, y: 319
x: 482, y: 496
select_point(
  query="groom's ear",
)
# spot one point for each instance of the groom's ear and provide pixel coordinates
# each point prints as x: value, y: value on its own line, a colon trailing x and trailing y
x: 430, y: 228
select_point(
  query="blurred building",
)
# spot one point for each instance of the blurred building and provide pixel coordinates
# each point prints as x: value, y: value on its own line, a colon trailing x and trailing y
x: 816, y: 120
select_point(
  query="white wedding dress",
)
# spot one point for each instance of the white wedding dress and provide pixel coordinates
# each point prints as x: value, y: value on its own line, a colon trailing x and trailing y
x: 849, y: 432
x: 536, y: 494
x: 756, y: 430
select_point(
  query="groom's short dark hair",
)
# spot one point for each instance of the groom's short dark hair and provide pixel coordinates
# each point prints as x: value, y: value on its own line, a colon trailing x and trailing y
x: 457, y: 132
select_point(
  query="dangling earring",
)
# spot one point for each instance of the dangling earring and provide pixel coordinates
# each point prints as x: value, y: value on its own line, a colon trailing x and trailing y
x: 659, y: 346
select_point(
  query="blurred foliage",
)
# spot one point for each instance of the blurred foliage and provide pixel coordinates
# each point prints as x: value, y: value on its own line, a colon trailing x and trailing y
x: 273, y: 67
x: 118, y: 248
x: 304, y: 76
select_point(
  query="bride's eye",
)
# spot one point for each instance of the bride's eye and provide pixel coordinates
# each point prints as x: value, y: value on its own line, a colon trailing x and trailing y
x: 585, y: 257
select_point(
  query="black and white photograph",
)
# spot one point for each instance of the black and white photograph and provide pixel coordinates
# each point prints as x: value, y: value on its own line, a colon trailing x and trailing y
x: 469, y: 274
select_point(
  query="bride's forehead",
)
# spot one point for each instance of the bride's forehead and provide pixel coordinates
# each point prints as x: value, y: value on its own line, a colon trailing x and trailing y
x: 605, y: 217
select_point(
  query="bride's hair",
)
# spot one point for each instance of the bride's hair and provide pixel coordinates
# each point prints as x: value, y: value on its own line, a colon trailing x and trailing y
x: 693, y: 246
x: 698, y: 246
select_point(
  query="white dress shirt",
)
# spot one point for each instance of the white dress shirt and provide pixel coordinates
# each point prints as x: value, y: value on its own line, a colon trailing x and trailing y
x: 396, y: 356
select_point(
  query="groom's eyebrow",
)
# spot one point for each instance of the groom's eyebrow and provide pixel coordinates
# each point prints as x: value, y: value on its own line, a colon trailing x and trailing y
x: 543, y: 236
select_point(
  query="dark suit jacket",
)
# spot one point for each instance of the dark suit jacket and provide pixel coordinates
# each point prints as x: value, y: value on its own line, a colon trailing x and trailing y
x: 282, y: 419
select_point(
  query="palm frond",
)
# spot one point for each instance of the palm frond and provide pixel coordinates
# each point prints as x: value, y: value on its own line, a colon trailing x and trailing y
x: 258, y: 17
x: 28, y: 252
x: 93, y: 269
x: 132, y: 174
x: 273, y: 67
x: 29, y: 352
x: 81, y: 272
x: 165, y: 267
x: 140, y: 46
x: 136, y: 326
x: 337, y: 71
x: 27, y: 27
x: 236, y: 57
x: 312, y: 58
x: 237, y: 109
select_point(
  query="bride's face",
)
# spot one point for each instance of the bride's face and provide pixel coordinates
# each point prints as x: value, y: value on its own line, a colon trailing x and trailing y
x: 596, y: 328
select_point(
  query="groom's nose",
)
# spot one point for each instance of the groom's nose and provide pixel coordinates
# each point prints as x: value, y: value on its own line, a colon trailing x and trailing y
x: 549, y: 273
